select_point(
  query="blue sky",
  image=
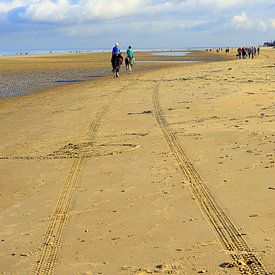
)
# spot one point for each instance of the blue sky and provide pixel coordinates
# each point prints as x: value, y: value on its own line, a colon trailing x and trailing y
x: 95, y: 24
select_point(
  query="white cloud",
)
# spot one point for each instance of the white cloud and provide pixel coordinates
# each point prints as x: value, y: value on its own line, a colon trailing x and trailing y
x: 48, y: 11
x: 65, y: 11
x: 81, y: 10
x: 139, y: 18
x: 242, y: 21
x: 262, y: 26
x: 219, y: 5
x: 10, y: 5
x: 73, y: 11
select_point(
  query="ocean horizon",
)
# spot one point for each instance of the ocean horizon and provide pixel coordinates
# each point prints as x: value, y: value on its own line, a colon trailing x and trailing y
x: 64, y: 51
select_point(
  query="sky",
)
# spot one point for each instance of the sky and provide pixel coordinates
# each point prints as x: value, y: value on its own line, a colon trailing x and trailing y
x: 144, y: 24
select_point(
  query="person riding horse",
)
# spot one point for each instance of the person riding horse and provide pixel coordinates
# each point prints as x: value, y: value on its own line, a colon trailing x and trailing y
x: 130, y: 59
x: 117, y: 60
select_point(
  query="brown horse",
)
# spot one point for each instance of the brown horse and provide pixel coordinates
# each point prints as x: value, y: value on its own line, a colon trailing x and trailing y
x: 116, y: 62
x: 129, y: 62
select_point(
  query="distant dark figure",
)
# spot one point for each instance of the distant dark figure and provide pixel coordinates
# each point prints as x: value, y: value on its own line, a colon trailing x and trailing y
x: 249, y: 51
x: 243, y: 53
x: 258, y: 50
x: 254, y: 50
x: 227, y: 50
x: 239, y: 53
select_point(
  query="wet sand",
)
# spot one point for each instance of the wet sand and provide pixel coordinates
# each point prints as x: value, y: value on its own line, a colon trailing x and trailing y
x: 21, y: 75
x: 168, y: 171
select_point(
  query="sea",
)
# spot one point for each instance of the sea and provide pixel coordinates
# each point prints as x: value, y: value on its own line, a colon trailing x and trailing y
x: 64, y: 51
x: 47, y: 51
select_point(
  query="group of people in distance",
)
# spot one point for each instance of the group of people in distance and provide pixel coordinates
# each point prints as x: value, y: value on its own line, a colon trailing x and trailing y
x: 242, y: 52
x: 117, y: 59
x: 249, y: 52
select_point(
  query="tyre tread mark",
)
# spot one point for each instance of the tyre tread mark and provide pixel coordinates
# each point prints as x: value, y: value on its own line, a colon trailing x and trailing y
x: 49, y: 250
x: 230, y: 237
x: 54, y: 233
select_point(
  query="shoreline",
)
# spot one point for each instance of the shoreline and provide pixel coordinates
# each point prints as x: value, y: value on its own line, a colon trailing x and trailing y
x: 7, y: 53
x: 24, y: 81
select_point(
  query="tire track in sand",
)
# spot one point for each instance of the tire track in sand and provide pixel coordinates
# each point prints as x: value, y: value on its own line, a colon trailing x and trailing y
x: 242, y: 255
x: 49, y: 250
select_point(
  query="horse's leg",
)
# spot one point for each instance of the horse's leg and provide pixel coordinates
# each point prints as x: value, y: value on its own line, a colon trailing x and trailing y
x: 114, y: 70
x: 130, y: 68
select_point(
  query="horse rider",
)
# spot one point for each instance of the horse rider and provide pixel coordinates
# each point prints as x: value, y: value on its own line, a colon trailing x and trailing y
x: 130, y: 59
x: 116, y: 50
x: 116, y: 59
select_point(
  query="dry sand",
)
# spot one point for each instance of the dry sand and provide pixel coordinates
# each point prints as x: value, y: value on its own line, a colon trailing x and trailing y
x: 166, y: 171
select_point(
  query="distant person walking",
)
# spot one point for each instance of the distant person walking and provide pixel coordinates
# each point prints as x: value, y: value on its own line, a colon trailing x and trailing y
x: 239, y: 52
x: 253, y: 52
x: 130, y: 59
x: 243, y: 53
x: 116, y: 59
x: 258, y: 50
x: 249, y: 51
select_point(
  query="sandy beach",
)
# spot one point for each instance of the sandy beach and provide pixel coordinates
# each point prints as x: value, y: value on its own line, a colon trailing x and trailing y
x: 169, y: 170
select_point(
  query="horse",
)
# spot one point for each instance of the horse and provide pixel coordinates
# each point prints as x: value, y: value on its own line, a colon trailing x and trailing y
x: 129, y: 62
x: 116, y: 62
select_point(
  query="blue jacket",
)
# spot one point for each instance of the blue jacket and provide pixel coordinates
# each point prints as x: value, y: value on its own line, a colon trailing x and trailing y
x: 116, y: 51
